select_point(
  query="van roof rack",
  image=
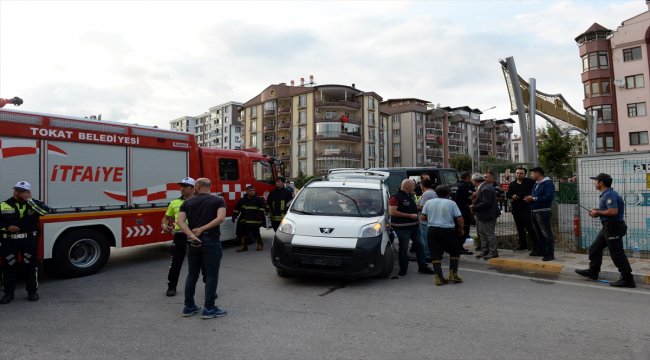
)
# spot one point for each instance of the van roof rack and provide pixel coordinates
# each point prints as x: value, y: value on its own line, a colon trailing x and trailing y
x: 360, y: 174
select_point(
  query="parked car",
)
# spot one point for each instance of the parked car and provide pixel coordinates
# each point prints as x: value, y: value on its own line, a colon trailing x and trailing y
x: 337, y: 226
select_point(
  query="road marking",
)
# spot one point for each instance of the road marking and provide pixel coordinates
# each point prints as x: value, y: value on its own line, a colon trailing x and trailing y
x: 627, y: 290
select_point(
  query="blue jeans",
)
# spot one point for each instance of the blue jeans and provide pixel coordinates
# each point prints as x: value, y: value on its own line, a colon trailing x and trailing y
x: 542, y: 226
x: 404, y: 235
x: 209, y: 254
x: 424, y: 231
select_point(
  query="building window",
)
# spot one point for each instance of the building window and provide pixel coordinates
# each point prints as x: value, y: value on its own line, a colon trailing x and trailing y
x: 371, y: 135
x: 396, y: 160
x: 632, y: 54
x: 396, y: 146
x: 639, y: 138
x: 302, y: 100
x: 604, y: 113
x: 419, y: 145
x: 597, y: 87
x: 420, y: 159
x: 637, y: 109
x: 236, y: 138
x: 605, y: 142
x: 253, y: 126
x: 371, y: 152
x: 371, y: 118
x: 371, y: 103
x: 595, y: 60
x: 396, y: 132
x: 237, y: 129
x: 419, y: 131
x: 302, y: 116
x: 302, y: 167
x: 634, y: 81
x: 253, y: 141
x: 302, y: 149
x: 396, y: 118
x: 253, y: 111
x: 269, y: 105
x: 302, y: 133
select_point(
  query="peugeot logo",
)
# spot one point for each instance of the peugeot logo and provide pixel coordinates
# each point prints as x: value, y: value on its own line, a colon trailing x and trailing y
x: 326, y: 230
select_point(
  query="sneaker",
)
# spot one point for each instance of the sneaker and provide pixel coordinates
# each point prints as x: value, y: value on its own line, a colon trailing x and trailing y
x: 212, y: 313
x: 490, y: 256
x: 588, y: 273
x: 425, y: 270
x: 548, y: 258
x: 33, y: 296
x: 171, y: 291
x: 7, y: 298
x: 189, y: 311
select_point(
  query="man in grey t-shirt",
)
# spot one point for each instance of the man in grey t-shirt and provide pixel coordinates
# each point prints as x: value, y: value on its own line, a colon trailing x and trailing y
x: 427, y: 194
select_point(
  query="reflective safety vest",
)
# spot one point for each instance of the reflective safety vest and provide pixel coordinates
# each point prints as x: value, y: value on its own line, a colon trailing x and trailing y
x: 277, y: 203
x: 250, y: 211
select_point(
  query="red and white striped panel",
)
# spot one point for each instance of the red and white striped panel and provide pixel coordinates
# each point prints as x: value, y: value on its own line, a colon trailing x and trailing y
x: 20, y: 147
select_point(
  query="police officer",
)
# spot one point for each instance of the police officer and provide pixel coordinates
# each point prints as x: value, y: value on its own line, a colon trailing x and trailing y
x: 277, y: 202
x: 179, y: 245
x: 611, y: 211
x: 19, y: 228
x: 250, y: 210
x: 461, y: 193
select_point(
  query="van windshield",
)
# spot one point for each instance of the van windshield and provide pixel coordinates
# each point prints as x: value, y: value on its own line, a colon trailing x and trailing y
x: 339, y: 202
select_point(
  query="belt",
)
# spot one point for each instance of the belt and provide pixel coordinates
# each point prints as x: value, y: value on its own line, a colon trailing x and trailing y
x: 18, y: 235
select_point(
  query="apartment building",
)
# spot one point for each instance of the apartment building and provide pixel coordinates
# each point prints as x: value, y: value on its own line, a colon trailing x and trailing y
x: 316, y: 128
x: 616, y: 69
x: 424, y: 136
x: 220, y: 127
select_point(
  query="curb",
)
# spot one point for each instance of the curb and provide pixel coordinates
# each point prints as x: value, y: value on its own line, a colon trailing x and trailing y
x: 552, y: 268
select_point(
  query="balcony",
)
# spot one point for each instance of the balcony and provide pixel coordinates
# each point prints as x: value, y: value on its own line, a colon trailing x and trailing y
x: 269, y: 127
x: 346, y: 104
x: 284, y: 142
x: 269, y: 112
x: 336, y: 153
x: 284, y: 157
x: 284, y: 125
x: 350, y: 120
x: 284, y: 109
x: 269, y: 143
x: 338, y: 136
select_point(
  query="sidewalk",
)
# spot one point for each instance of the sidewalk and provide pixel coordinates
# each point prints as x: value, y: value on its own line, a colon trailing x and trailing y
x: 564, y: 264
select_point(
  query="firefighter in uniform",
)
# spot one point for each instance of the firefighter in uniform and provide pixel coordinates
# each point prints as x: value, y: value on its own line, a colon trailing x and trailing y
x: 179, y: 245
x: 19, y: 229
x: 277, y: 202
x: 250, y: 210
x: 611, y: 210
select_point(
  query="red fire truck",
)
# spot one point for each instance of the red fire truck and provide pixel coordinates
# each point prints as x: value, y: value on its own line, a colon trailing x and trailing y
x: 109, y: 183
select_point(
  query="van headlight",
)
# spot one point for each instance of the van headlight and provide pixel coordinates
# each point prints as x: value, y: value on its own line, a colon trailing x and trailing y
x: 371, y: 230
x: 287, y: 227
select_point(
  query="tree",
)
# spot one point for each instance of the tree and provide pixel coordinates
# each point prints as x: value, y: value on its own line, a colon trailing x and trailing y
x: 461, y: 162
x: 554, y: 151
x: 301, y: 180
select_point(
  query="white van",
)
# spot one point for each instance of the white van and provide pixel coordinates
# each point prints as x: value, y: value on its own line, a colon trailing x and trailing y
x: 337, y: 227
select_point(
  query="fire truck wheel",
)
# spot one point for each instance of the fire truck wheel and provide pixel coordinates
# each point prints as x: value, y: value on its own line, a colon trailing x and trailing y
x: 81, y: 252
x: 389, y: 262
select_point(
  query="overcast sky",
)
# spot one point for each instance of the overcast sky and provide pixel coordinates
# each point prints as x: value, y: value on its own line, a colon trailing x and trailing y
x: 149, y: 62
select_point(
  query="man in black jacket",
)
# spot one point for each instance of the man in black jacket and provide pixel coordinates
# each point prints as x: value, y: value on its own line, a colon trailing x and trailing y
x: 278, y: 201
x: 461, y: 192
x: 486, y: 210
x: 518, y: 189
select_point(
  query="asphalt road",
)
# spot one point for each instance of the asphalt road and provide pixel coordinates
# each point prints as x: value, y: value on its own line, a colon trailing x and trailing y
x: 122, y: 313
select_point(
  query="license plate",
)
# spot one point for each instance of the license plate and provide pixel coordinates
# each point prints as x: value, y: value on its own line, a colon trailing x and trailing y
x: 320, y: 261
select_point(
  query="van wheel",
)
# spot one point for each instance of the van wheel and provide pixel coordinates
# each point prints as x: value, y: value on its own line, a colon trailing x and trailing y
x: 282, y: 273
x: 81, y: 252
x: 389, y: 262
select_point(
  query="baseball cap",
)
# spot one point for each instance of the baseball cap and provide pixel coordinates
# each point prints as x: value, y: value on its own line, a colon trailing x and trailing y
x: 601, y: 177
x: 187, y: 181
x: 23, y: 185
